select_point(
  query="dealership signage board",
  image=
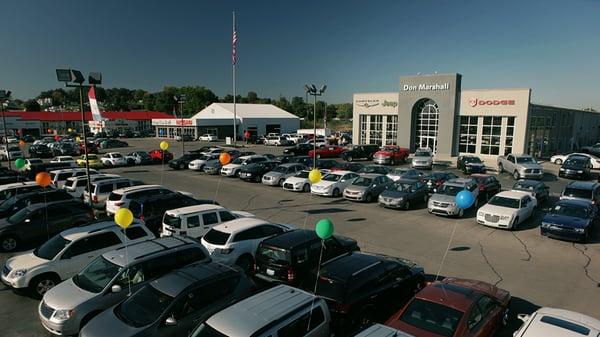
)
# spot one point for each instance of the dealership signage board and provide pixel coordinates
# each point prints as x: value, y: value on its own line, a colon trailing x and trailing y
x: 379, y: 103
x: 173, y: 122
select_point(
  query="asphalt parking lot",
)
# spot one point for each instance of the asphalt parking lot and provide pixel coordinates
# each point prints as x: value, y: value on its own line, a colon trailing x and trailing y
x: 536, y: 270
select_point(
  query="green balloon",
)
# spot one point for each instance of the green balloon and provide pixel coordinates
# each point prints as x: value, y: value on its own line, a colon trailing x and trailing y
x: 324, y: 229
x: 20, y: 163
x: 103, y: 144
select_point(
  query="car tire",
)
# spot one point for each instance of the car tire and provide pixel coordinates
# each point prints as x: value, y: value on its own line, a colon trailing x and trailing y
x: 368, y: 198
x: 516, y: 175
x: 392, y: 162
x: 41, y: 284
x: 306, y: 188
x: 257, y: 179
x: 181, y: 166
x: 558, y: 161
x: 335, y: 193
x: 500, y: 168
x: 587, y: 237
x: 515, y: 223
x: 349, y: 158
x: 460, y: 214
x: 407, y: 205
x: 280, y: 182
x: 9, y: 243
x: 246, y: 263
x: 425, y: 199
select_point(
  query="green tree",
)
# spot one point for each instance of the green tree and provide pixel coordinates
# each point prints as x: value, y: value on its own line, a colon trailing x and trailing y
x: 32, y: 105
x: 252, y: 97
x: 344, y: 111
x: 298, y: 107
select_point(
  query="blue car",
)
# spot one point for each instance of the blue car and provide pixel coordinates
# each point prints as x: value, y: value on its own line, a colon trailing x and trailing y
x: 570, y: 220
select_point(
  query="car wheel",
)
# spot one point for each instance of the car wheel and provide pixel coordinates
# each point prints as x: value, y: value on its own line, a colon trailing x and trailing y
x: 368, y: 197
x: 306, y: 188
x: 257, y: 179
x: 41, y: 284
x: 335, y: 193
x: 318, y: 156
x: 587, y: 237
x: 181, y: 166
x: 516, y: 175
x: 363, y: 318
x: 515, y: 223
x: 349, y: 158
x: 407, y: 205
x: 476, y: 203
x: 500, y: 168
x: 425, y: 198
x: 245, y: 262
x: 558, y: 161
x: 461, y: 212
x: 10, y: 243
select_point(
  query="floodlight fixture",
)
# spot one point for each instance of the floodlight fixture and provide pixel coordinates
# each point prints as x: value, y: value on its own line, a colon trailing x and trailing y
x: 307, y: 88
x: 4, y: 94
x: 313, y: 88
x: 323, y: 87
x: 63, y: 75
x: 95, y: 78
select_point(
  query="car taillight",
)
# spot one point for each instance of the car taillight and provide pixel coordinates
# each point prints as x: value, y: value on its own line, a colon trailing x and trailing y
x: 439, y: 182
x: 142, y: 217
x: 119, y: 203
x: 291, y: 275
x: 481, y: 187
x: 95, y: 199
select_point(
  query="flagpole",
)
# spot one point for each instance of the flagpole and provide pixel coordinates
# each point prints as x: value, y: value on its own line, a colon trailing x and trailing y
x: 234, y: 37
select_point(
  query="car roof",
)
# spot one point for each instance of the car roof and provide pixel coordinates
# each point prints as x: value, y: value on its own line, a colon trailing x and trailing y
x: 174, y: 283
x: 139, y: 251
x: 72, y: 170
x: 480, y: 175
x: 459, y: 181
x: 82, y: 231
x: 371, y: 175
x: 380, y: 330
x: 348, y: 265
x: 36, y: 206
x: 454, y: 293
x: 17, y: 185
x: 291, y: 239
x: 406, y: 181
x: 130, y: 189
x: 340, y: 172
x: 194, y: 209
x: 513, y: 194
x: 582, y: 185
x: 261, y: 310
x: 238, y: 225
x: 575, y: 202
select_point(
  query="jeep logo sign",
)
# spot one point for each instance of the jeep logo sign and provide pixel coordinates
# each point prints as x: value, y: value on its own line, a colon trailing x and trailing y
x: 473, y: 102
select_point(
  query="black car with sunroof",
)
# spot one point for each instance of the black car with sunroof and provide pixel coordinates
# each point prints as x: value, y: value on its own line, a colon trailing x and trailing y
x: 362, y: 288
x: 255, y: 171
x: 289, y: 257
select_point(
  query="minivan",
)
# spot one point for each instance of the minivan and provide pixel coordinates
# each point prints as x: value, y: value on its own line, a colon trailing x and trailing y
x: 195, y: 221
x: 76, y: 186
x: 59, y: 177
x: 102, y: 188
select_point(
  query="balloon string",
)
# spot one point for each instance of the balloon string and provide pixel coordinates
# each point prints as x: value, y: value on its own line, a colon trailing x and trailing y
x: 316, y: 284
x: 446, y: 252
x: 306, y: 210
x: 218, y: 187
x: 46, y: 215
x: 162, y: 170
x: 127, y: 259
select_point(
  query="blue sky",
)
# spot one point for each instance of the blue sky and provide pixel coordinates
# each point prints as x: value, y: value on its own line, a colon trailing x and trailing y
x: 550, y: 46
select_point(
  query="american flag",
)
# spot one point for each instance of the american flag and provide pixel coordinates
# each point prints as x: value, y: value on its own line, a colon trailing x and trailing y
x: 234, y: 47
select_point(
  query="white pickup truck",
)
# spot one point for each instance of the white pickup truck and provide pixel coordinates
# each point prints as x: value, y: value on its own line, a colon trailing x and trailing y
x: 521, y: 166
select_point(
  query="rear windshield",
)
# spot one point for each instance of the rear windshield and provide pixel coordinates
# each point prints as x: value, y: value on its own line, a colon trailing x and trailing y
x: 273, y: 255
x: 577, y: 193
x: 216, y: 238
x: 115, y: 196
x: 433, y: 317
x: 580, y: 329
x: 302, y: 174
x: 172, y: 221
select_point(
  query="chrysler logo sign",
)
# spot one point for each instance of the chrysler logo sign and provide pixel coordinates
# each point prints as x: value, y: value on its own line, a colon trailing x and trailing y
x: 475, y: 102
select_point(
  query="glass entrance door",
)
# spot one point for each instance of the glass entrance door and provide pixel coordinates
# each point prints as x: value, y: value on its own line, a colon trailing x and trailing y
x: 428, y: 115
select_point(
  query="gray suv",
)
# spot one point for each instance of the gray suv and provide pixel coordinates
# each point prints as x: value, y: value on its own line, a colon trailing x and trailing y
x: 111, y: 277
x: 367, y: 187
x: 443, y: 201
x: 174, y: 304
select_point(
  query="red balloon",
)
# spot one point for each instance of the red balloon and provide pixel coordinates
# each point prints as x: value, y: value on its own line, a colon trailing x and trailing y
x: 57, y: 137
x: 43, y: 179
x: 224, y: 158
x: 49, y: 130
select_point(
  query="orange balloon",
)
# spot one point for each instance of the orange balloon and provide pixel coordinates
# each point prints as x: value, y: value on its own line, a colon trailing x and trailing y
x: 22, y: 142
x: 43, y: 179
x: 224, y: 158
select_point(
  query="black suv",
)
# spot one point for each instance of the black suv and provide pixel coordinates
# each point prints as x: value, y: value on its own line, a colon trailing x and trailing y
x: 289, y: 257
x: 254, y: 172
x: 360, y: 152
x: 40, y: 151
x: 9, y: 176
x: 39, y: 222
x: 151, y: 209
x: 182, y: 162
x: 576, y: 167
x: 470, y: 164
x: 66, y: 149
x: 363, y: 288
x: 22, y: 200
x: 299, y: 150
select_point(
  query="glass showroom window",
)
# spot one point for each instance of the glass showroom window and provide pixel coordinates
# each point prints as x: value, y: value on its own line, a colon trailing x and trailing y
x: 376, y: 129
x: 391, y: 132
x: 363, y: 129
x: 510, y: 130
x: 490, y: 137
x: 468, y: 134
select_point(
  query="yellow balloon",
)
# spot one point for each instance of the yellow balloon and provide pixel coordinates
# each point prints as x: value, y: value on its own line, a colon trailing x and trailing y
x: 164, y: 145
x: 314, y: 176
x: 123, y: 217
x: 70, y: 130
x: 78, y: 139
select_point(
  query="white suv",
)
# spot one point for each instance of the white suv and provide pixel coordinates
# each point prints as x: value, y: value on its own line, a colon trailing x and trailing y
x: 235, y: 242
x: 101, y: 190
x: 121, y: 197
x: 195, y: 221
x: 66, y: 253
x: 59, y: 177
x: 76, y: 186
x: 113, y: 159
x: 232, y: 169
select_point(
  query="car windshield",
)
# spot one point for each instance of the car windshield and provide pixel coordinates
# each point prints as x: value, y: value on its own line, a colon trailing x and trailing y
x: 19, y: 216
x: 143, y: 307
x: 504, y: 202
x: 433, y: 317
x: 362, y: 181
x: 237, y: 161
x: 422, y: 154
x: 474, y: 160
x: 302, y: 174
x: 570, y: 210
x: 332, y: 177
x: 577, y: 193
x: 525, y: 160
x: 116, y: 155
x: 96, y: 275
x: 577, y: 162
x: 449, y: 189
x: 205, y: 330
x: 280, y: 169
x: 48, y: 250
x: 401, y: 187
x: 216, y: 237
x: 172, y: 221
x: 273, y: 255
x: 389, y: 148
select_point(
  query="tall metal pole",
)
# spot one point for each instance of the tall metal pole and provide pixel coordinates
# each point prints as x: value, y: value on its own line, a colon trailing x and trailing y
x: 5, y: 133
x: 315, y: 132
x: 233, y: 33
x: 85, y: 147
x: 181, y: 127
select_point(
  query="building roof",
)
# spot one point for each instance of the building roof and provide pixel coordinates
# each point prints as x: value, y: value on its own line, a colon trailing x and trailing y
x: 49, y: 116
x: 243, y: 110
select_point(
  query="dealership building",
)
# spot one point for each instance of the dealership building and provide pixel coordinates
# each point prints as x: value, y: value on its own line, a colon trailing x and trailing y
x: 433, y: 111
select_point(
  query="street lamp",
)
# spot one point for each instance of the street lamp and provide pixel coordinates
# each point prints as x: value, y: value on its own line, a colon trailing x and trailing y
x: 4, y: 96
x: 181, y: 99
x: 312, y: 90
x: 74, y: 79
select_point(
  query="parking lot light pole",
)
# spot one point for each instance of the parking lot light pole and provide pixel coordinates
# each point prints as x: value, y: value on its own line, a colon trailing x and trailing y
x: 312, y: 90
x: 4, y: 96
x: 75, y: 76
x: 181, y: 99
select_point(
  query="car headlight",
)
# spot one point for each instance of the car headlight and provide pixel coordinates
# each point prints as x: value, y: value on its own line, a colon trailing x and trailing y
x: 580, y: 171
x: 562, y: 169
x: 480, y: 214
x: 580, y: 230
x: 18, y: 273
x: 452, y: 204
x: 546, y: 225
x: 298, y: 184
x: 400, y: 199
x: 63, y: 314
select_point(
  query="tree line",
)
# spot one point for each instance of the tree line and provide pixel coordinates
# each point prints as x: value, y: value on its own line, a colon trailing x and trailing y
x: 197, y: 98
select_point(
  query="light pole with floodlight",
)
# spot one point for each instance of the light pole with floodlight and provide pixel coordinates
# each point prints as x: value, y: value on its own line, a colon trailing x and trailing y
x: 181, y: 99
x: 4, y: 96
x: 312, y: 90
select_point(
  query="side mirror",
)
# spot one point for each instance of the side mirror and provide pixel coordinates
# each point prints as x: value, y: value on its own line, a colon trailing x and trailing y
x: 170, y: 321
x: 523, y: 317
x: 115, y: 288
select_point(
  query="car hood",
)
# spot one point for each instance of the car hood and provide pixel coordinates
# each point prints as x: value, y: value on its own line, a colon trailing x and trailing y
x: 394, y: 194
x: 382, y: 154
x: 274, y: 174
x: 295, y: 180
x: 475, y: 164
x: 25, y: 260
x: 498, y: 210
x: 531, y: 166
x: 355, y: 188
x: 231, y: 166
x: 67, y: 295
x: 198, y: 161
x: 325, y: 183
x: 443, y: 198
x: 564, y: 220
x: 107, y: 324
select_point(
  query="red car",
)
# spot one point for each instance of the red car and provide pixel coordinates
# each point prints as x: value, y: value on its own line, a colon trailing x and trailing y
x: 454, y: 308
x: 157, y: 156
x: 92, y: 148
x: 327, y: 151
x: 390, y: 155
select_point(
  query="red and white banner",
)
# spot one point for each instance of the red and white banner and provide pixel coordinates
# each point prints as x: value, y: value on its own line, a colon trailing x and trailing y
x: 94, y: 105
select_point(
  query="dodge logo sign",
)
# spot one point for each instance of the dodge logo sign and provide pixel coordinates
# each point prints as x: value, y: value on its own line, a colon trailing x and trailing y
x: 475, y: 102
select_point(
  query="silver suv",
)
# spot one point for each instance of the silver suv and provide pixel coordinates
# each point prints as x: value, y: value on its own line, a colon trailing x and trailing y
x: 111, y: 277
x: 443, y: 201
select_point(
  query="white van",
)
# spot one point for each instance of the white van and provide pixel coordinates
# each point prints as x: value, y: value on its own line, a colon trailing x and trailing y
x: 103, y: 187
x: 59, y: 177
x: 75, y: 186
x: 195, y: 221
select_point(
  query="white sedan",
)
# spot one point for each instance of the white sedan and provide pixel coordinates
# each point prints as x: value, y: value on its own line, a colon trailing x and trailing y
x: 507, y: 209
x: 333, y: 184
x: 198, y: 164
x: 550, y: 322
x: 299, y: 182
x: 561, y: 158
x: 113, y: 159
x: 208, y: 138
